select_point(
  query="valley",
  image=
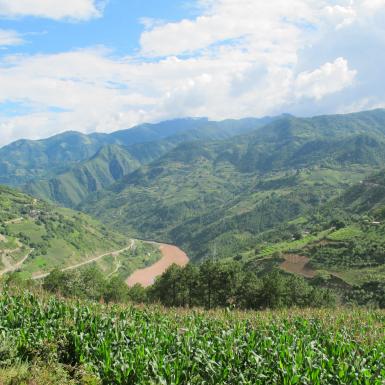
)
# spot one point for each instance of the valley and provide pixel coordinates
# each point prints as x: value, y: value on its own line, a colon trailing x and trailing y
x: 48, y: 237
x: 192, y: 192
x: 253, y: 231
x: 298, y: 194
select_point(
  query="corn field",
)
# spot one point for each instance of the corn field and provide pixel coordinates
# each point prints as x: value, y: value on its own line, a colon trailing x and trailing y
x: 151, y: 345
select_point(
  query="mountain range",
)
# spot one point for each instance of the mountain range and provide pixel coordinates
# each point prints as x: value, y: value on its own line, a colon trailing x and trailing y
x: 235, y: 188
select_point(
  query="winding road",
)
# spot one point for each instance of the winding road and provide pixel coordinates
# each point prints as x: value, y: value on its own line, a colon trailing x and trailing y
x: 170, y: 255
x: 73, y: 267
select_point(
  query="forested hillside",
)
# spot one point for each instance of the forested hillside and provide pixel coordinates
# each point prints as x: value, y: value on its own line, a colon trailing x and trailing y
x: 217, y: 197
x: 108, y: 165
x: 27, y: 161
x: 228, y: 189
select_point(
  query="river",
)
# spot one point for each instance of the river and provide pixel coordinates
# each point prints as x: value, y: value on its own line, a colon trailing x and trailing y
x: 170, y: 255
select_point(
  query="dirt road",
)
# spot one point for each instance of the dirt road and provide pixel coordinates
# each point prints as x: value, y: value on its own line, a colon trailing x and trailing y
x: 170, y: 255
x: 73, y: 267
x: 10, y: 268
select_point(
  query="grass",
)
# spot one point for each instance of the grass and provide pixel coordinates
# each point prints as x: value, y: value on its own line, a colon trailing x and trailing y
x: 34, y: 231
x: 151, y: 345
x: 361, y: 276
x: 291, y: 246
x: 10, y: 243
x: 122, y: 265
x: 345, y: 234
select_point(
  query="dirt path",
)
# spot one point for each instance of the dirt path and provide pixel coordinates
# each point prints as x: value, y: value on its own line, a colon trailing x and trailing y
x: 6, y: 262
x: 16, y: 266
x: 146, y: 277
x: 118, y: 265
x: 73, y: 267
x: 13, y: 221
x: 297, y: 264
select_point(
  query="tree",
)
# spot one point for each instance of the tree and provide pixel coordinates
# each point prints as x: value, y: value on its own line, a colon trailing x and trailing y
x: 207, y: 274
x: 137, y: 294
x: 115, y: 290
x: 55, y: 282
x: 92, y: 282
x: 167, y: 287
x: 190, y: 285
x: 273, y: 291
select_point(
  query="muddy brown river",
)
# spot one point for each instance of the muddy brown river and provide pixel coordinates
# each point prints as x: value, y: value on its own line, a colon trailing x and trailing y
x: 170, y: 255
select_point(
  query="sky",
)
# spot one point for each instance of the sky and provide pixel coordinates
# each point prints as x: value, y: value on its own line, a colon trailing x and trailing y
x: 105, y: 65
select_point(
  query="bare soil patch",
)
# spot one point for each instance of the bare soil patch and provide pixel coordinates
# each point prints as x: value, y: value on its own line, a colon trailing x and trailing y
x: 297, y: 264
x: 170, y: 255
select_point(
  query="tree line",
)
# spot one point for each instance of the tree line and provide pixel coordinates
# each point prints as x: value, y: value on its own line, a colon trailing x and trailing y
x: 211, y: 284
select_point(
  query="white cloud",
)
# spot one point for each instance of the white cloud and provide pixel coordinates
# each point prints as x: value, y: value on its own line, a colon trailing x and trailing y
x: 51, y: 9
x: 258, y: 23
x: 328, y: 79
x: 9, y: 37
x: 340, y: 15
x: 238, y: 58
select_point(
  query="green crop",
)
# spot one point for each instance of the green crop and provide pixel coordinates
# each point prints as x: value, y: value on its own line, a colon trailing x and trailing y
x: 151, y: 345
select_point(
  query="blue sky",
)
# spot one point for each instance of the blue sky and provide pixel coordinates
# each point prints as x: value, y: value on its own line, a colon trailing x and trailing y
x: 104, y: 65
x: 119, y: 28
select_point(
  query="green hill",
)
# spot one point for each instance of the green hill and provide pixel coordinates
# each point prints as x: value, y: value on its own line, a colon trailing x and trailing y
x: 26, y: 161
x: 366, y: 197
x: 109, y: 164
x: 36, y: 237
x: 220, y: 196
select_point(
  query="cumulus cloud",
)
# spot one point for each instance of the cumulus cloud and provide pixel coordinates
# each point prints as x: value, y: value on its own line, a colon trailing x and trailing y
x: 237, y: 58
x: 329, y: 78
x: 260, y: 24
x: 52, y: 9
x: 9, y: 37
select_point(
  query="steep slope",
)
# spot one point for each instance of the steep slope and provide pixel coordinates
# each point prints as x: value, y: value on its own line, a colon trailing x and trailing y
x: 366, y: 197
x: 217, y: 197
x: 26, y: 160
x: 113, y: 161
x: 36, y: 237
x: 109, y: 164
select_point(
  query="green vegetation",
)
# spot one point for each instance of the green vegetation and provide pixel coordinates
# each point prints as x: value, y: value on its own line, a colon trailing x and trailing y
x: 209, y: 285
x: 286, y: 219
x: 85, y: 283
x: 86, y: 343
x: 36, y: 237
x: 102, y: 170
x: 122, y: 265
x: 220, y: 197
x: 219, y: 284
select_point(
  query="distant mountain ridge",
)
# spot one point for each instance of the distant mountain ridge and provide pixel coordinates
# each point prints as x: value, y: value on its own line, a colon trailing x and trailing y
x: 206, y: 193
x: 109, y: 164
x: 201, y: 184
x: 43, y: 167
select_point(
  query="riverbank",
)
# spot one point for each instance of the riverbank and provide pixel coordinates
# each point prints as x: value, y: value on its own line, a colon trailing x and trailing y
x: 170, y: 255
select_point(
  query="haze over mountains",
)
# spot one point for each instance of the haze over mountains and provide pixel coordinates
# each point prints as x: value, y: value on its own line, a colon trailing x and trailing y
x: 305, y: 195
x: 25, y: 160
x: 211, y: 187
